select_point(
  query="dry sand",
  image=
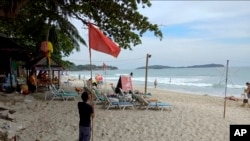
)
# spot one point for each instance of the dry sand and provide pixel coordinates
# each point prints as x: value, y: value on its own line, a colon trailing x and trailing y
x: 193, y: 118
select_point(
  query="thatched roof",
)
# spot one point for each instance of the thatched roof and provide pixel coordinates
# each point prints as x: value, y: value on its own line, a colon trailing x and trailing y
x: 40, y: 63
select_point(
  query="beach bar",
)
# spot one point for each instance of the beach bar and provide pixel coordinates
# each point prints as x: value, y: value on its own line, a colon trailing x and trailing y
x: 52, y: 72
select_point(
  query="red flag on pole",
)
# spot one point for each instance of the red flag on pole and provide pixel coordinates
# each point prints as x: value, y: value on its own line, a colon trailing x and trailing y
x: 99, y: 42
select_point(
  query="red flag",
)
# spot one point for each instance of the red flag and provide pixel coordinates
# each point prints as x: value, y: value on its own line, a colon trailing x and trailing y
x: 99, y: 42
x: 104, y: 66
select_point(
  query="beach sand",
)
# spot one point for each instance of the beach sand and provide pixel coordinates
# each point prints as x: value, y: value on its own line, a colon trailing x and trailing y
x: 193, y: 118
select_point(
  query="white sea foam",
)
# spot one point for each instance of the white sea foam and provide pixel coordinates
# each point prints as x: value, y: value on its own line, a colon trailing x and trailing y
x: 195, y: 80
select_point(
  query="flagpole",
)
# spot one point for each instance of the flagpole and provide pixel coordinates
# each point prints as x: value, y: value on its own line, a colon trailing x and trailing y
x: 92, y: 125
x: 90, y: 57
x: 99, y: 42
x: 90, y: 63
x: 105, y: 78
x: 104, y: 67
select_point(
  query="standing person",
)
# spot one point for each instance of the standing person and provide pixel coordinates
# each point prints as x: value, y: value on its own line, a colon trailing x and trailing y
x: 86, y: 113
x: 131, y: 74
x: 247, y: 90
x: 245, y: 99
x: 32, y: 82
x: 155, y: 83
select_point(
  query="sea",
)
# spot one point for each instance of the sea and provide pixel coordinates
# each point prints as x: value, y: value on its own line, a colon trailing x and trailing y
x: 214, y: 81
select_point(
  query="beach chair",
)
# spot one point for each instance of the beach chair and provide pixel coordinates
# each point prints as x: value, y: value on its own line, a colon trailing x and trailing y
x: 54, y: 94
x: 113, y: 88
x: 61, y: 94
x: 68, y: 95
x: 99, y: 98
x: 138, y: 92
x: 67, y: 83
x: 153, y: 103
x: 125, y: 97
x: 117, y: 104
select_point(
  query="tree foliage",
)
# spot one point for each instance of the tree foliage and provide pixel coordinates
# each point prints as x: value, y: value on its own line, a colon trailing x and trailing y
x: 33, y: 21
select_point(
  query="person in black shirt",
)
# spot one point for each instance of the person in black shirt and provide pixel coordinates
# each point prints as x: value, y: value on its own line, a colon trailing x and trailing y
x: 86, y: 113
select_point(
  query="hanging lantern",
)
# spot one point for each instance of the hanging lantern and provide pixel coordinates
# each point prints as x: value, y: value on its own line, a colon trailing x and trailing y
x: 47, y: 48
x: 44, y: 46
x: 50, y: 49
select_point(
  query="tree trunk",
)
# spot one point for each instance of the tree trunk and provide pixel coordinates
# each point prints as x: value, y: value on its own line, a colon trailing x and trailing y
x: 11, y: 10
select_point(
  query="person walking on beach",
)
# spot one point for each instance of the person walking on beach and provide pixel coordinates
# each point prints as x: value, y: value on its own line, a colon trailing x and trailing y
x: 86, y: 113
x: 32, y: 82
x: 155, y: 83
x: 247, y: 90
x: 245, y: 99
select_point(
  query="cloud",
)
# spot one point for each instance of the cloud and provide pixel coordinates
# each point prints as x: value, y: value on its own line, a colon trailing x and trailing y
x: 179, y: 12
x: 195, y: 32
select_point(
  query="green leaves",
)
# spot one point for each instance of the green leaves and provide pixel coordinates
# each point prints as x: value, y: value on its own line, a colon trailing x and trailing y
x: 119, y: 19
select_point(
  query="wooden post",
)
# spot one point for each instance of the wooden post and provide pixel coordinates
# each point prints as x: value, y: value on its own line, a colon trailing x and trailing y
x: 225, y: 100
x: 146, y: 74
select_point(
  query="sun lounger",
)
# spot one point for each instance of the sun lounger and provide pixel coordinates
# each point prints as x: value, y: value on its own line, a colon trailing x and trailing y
x: 99, y: 98
x: 125, y: 97
x: 117, y: 104
x: 153, y: 103
x: 61, y: 94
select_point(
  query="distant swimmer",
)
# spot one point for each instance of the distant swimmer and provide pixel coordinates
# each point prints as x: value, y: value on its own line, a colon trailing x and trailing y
x: 170, y: 80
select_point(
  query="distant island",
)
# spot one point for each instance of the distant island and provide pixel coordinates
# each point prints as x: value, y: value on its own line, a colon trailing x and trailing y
x: 89, y: 67
x: 195, y: 66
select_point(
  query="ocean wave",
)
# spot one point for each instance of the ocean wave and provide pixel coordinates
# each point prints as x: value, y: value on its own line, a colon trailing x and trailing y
x: 207, y: 80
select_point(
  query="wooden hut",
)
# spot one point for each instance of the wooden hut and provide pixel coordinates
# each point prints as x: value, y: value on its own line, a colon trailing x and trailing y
x: 10, y: 53
x: 51, y: 75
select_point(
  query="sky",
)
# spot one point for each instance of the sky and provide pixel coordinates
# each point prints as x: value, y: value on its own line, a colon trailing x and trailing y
x: 194, y: 33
